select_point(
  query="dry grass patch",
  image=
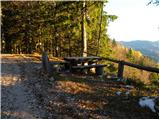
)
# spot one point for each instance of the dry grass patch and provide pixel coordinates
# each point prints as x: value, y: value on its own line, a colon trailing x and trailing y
x: 73, y: 87
x: 90, y: 105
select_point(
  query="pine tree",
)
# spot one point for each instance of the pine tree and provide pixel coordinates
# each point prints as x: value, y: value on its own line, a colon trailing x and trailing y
x: 55, y: 27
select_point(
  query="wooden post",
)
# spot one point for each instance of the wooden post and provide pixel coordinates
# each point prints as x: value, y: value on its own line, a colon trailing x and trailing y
x: 45, y: 62
x: 120, y: 69
x: 99, y: 70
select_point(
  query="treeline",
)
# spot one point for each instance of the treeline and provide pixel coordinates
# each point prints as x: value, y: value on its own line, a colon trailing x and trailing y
x: 54, y: 26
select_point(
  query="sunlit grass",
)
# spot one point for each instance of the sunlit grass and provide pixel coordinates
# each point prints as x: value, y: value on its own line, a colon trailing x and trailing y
x: 90, y: 105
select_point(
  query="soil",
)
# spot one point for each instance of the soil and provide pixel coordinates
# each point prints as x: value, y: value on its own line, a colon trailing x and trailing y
x: 17, y: 82
x: 29, y: 92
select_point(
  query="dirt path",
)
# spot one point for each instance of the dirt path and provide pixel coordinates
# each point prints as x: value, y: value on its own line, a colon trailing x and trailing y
x: 17, y: 79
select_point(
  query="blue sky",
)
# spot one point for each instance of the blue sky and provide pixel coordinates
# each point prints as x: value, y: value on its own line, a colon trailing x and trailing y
x: 136, y: 21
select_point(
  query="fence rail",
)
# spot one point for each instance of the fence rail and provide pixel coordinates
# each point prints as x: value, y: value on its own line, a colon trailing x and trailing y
x: 121, y: 65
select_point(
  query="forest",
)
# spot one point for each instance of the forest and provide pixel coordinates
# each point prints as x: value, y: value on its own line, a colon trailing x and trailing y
x: 54, y: 26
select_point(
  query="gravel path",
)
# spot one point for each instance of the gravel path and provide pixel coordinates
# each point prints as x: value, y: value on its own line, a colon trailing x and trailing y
x: 17, y: 80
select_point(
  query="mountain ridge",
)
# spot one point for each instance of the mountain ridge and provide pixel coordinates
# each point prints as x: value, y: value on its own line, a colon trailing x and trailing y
x: 148, y: 48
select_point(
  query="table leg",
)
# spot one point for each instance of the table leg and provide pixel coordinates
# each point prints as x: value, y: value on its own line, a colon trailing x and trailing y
x: 99, y: 70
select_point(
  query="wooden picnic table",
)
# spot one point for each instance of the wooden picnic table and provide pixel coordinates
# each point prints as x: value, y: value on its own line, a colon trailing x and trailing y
x: 77, y: 60
x: 78, y: 63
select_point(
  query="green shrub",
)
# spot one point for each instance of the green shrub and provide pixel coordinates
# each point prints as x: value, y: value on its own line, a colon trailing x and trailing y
x: 154, y: 79
x: 135, y: 82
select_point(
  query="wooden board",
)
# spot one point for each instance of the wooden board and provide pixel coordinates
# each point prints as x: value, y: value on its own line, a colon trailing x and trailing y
x: 81, y: 59
x: 88, y: 66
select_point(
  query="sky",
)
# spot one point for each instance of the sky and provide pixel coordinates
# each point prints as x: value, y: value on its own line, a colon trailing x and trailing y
x: 136, y: 20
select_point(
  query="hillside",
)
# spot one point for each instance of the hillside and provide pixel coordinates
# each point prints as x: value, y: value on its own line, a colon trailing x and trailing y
x: 120, y: 52
x: 148, y: 48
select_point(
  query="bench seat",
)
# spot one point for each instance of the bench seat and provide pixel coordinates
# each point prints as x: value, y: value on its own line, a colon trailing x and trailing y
x: 59, y: 62
x: 98, y: 67
x: 88, y: 66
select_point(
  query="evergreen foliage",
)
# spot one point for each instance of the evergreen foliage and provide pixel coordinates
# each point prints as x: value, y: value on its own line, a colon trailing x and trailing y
x: 53, y: 26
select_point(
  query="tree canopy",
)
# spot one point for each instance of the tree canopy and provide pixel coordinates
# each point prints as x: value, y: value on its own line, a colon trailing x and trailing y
x: 53, y: 26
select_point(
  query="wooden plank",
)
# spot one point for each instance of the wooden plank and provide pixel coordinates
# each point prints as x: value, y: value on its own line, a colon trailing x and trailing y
x: 150, y: 69
x: 59, y: 62
x: 81, y: 59
x: 88, y: 66
x: 112, y: 60
x: 99, y: 68
x: 77, y: 67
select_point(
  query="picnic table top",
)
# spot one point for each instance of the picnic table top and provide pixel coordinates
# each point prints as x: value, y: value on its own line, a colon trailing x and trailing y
x: 81, y: 58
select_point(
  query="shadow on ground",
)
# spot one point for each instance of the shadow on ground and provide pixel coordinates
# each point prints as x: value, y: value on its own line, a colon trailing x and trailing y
x: 85, y: 98
x: 18, y: 98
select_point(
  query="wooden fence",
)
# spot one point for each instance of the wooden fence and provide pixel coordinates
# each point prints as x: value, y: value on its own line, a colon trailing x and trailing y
x: 121, y: 65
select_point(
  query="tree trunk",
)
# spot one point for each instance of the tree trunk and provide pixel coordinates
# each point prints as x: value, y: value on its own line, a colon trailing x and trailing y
x: 56, y: 47
x: 84, y: 39
x: 52, y: 47
x: 7, y: 45
x: 100, y: 26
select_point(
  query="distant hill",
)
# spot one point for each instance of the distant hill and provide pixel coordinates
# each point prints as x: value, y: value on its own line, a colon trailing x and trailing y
x: 148, y: 48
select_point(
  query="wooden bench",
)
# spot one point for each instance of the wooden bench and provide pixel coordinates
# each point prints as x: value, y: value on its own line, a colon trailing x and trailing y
x: 78, y: 63
x: 81, y: 60
x: 60, y: 65
x: 98, y: 67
